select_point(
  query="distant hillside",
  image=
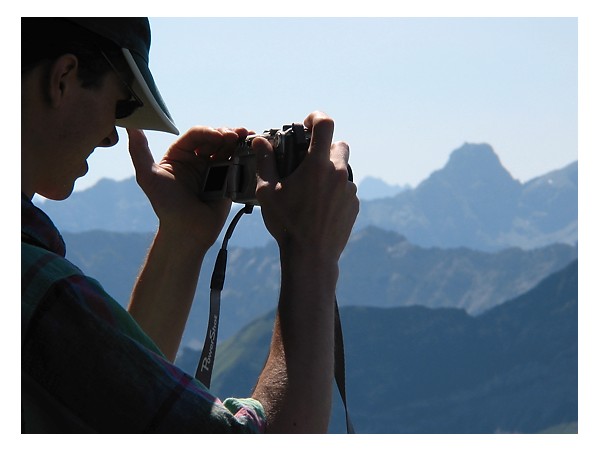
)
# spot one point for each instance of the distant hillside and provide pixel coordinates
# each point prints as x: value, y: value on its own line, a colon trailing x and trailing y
x: 114, y: 259
x: 420, y: 370
x: 371, y: 188
x: 384, y: 269
x: 108, y: 205
x: 378, y: 268
x: 473, y: 201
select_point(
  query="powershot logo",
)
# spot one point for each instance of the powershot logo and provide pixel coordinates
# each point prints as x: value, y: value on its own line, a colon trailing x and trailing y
x: 212, y: 336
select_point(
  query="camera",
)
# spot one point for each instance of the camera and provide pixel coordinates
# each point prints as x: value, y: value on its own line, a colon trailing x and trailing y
x: 236, y: 177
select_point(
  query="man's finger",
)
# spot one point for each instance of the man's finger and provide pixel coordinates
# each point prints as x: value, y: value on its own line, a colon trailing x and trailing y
x: 265, y: 160
x: 321, y: 127
x: 340, y: 153
x: 200, y: 140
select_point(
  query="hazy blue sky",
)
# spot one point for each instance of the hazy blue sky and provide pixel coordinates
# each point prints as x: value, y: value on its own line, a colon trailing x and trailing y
x: 404, y: 92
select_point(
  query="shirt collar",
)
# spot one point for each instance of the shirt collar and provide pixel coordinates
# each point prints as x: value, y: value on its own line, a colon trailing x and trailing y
x: 38, y: 229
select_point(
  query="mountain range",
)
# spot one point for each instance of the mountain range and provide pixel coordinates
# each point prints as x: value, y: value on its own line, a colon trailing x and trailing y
x: 472, y: 201
x: 378, y: 268
x: 415, y: 369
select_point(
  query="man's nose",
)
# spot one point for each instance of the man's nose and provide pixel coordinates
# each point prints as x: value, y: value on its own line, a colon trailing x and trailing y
x: 111, y: 139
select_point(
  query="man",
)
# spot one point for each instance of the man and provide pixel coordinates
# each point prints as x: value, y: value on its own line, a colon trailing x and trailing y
x: 87, y: 364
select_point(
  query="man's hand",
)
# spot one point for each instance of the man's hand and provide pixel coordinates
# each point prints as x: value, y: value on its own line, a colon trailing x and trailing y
x: 316, y: 205
x: 173, y: 185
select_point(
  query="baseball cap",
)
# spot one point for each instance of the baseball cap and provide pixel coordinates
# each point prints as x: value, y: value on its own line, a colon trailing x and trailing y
x: 132, y: 36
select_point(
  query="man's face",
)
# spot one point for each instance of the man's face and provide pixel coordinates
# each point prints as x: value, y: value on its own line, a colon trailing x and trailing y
x: 87, y: 121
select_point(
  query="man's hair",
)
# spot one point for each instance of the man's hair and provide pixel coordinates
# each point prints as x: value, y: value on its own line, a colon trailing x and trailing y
x: 43, y: 39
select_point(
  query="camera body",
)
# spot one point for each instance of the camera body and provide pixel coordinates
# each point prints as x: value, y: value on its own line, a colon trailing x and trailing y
x: 236, y: 177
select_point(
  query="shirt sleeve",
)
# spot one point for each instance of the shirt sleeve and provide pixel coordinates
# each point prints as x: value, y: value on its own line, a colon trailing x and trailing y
x: 89, y: 354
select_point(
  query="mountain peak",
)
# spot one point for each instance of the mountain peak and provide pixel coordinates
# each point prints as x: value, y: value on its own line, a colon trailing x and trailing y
x: 474, y: 190
x: 472, y: 166
x: 474, y: 154
x: 476, y: 160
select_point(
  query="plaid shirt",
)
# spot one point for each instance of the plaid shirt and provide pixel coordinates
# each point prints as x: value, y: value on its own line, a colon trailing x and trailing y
x: 83, y: 355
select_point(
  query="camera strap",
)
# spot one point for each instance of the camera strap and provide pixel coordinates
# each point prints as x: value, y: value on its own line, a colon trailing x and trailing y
x: 207, y: 358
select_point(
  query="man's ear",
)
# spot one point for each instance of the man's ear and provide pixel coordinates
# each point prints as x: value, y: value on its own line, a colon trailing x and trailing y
x: 62, y: 78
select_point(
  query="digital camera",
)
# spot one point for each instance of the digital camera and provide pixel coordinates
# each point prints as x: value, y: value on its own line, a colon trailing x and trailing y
x: 236, y: 177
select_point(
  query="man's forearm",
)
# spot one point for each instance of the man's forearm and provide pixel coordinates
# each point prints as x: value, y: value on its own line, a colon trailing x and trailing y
x: 295, y: 386
x: 164, y: 292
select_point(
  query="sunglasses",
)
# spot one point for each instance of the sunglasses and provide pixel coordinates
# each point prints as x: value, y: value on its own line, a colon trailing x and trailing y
x: 124, y: 108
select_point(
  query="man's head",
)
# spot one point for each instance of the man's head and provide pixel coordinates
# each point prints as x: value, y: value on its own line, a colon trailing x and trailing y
x: 79, y: 78
x: 101, y: 44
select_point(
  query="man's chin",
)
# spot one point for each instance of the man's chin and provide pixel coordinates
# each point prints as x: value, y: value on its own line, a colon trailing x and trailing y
x: 58, y: 193
x: 62, y: 191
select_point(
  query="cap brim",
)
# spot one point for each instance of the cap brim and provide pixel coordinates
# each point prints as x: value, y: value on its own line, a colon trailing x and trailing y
x: 154, y: 115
